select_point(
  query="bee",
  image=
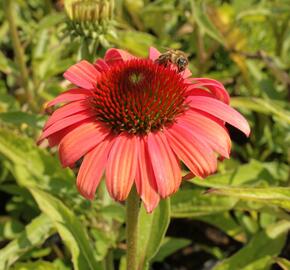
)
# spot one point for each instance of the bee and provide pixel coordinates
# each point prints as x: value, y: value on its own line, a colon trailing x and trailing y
x: 176, y: 57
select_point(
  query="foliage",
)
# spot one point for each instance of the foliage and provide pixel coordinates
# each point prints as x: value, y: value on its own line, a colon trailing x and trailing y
x: 45, y: 224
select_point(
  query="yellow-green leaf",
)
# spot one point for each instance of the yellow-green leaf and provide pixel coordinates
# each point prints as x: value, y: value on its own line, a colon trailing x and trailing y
x: 70, y: 229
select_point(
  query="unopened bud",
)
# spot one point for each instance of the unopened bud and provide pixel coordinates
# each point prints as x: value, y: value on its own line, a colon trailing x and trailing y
x: 90, y: 18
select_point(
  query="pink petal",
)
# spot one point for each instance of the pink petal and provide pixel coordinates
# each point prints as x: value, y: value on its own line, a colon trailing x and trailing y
x: 92, y: 168
x: 153, y: 53
x: 191, y: 91
x: 66, y: 122
x: 215, y: 134
x: 165, y: 164
x: 70, y: 95
x: 79, y: 141
x: 220, y: 110
x: 55, y: 138
x: 195, y: 154
x: 121, y: 166
x: 83, y: 74
x: 67, y: 110
x: 113, y: 56
x: 186, y: 73
x: 145, y: 179
x: 215, y: 87
x: 206, y: 80
x: 101, y: 65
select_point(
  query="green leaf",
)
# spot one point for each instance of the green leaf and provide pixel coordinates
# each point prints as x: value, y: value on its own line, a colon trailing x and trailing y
x: 18, y: 118
x: 33, y: 166
x: 169, y: 246
x: 70, y: 229
x: 5, y: 64
x: 152, y: 228
x: 277, y: 109
x: 10, y: 228
x: 35, y: 233
x: 204, y: 22
x: 7, y: 102
x: 253, y: 173
x: 284, y: 263
x: 279, y: 196
x: 127, y: 40
x: 39, y: 265
x: 193, y: 203
x: 258, y: 252
x: 225, y: 222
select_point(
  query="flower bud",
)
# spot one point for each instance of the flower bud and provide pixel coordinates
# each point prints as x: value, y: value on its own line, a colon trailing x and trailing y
x: 89, y: 18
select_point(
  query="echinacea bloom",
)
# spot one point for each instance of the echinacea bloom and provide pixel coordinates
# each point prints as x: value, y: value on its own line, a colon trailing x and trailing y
x: 135, y: 120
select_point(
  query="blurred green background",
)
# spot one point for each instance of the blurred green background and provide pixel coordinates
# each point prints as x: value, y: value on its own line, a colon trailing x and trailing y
x: 242, y: 222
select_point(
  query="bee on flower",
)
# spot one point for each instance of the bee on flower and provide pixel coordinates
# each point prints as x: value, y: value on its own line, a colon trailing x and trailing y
x: 175, y: 57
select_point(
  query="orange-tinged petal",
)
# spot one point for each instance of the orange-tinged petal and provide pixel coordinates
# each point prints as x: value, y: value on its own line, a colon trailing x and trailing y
x: 92, y: 169
x: 113, y: 56
x: 220, y: 110
x: 56, y: 137
x: 195, y: 154
x: 121, y: 166
x: 67, y: 110
x: 70, y: 95
x: 101, y: 65
x: 145, y: 179
x: 213, y: 86
x: 79, y: 141
x: 165, y: 164
x: 64, y: 123
x: 213, y: 133
x: 83, y: 74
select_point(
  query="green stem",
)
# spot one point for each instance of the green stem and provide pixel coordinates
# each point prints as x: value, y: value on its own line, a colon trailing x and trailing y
x: 109, y: 260
x: 84, y: 49
x: 132, y: 210
x: 201, y: 54
x: 17, y: 48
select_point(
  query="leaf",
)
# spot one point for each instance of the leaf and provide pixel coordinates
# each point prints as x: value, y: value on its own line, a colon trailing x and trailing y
x: 204, y: 22
x: 256, y: 255
x: 18, y: 118
x: 33, y: 166
x: 39, y: 265
x: 279, y: 196
x: 7, y: 102
x: 283, y: 263
x: 273, y: 108
x: 193, y: 203
x: 35, y: 233
x: 10, y: 228
x: 127, y: 40
x: 152, y: 228
x: 160, y: 16
x: 225, y: 222
x: 70, y: 229
x: 114, y: 211
x: 5, y: 64
x: 169, y: 246
x: 252, y: 173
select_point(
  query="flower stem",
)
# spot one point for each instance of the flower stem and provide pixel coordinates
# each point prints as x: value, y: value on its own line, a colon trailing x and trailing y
x: 109, y: 260
x: 132, y: 210
x: 18, y: 50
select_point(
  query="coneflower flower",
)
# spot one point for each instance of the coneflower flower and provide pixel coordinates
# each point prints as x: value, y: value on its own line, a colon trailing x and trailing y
x: 135, y: 120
